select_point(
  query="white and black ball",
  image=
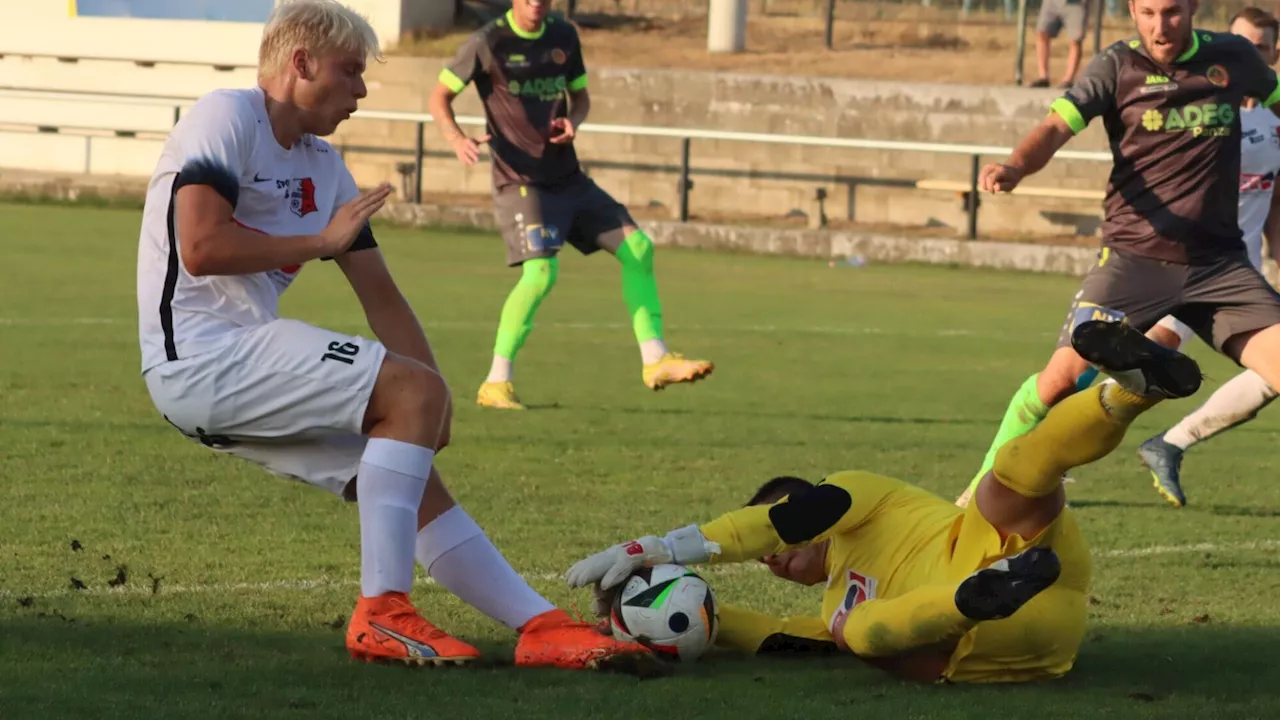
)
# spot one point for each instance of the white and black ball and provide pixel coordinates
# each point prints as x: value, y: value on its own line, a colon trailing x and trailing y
x: 668, y: 608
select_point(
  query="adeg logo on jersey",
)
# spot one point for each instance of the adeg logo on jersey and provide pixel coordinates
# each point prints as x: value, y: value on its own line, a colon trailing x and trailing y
x: 301, y: 194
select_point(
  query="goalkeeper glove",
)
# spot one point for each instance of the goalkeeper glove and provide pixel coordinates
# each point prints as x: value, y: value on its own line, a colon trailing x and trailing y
x: 610, y: 567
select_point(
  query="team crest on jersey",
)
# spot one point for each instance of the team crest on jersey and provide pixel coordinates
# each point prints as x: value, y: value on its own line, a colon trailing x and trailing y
x: 1217, y: 75
x: 858, y: 589
x: 301, y: 193
x: 558, y: 56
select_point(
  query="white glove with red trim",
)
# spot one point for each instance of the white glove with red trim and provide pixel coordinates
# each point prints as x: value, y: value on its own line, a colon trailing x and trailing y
x: 610, y: 567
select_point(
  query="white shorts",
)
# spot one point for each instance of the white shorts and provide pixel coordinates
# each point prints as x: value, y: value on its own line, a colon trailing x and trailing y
x: 286, y: 395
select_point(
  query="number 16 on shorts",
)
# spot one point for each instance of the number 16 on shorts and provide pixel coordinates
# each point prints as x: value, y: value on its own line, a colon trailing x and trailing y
x: 344, y: 352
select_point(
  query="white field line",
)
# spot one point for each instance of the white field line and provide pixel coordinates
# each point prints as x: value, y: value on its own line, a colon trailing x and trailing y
x: 848, y: 330
x: 1191, y: 548
x: 142, y: 585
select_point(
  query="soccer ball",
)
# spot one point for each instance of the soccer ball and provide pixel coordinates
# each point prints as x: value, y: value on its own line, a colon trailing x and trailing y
x: 668, y: 608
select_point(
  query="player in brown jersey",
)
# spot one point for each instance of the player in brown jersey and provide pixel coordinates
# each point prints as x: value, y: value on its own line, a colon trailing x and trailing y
x: 1169, y: 100
x: 529, y: 72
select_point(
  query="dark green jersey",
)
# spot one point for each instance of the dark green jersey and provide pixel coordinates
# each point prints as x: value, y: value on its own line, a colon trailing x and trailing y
x: 524, y: 80
x: 1175, y: 137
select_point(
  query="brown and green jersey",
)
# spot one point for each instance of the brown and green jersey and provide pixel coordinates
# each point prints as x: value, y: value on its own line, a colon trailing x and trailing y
x: 1175, y: 136
x: 524, y: 80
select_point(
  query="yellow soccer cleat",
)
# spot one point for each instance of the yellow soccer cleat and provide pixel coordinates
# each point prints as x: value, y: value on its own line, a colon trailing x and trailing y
x: 675, y: 368
x: 499, y: 395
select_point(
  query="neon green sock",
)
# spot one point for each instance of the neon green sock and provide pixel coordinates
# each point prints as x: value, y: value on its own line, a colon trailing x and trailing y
x: 1024, y: 413
x: 639, y: 287
x: 536, y: 280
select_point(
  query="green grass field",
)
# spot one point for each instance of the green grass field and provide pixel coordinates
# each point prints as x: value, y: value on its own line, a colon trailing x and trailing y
x: 212, y: 589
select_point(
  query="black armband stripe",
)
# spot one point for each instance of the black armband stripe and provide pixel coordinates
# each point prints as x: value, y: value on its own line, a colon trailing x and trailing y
x: 203, y: 171
x: 170, y: 277
x: 215, y: 174
x: 808, y: 514
x: 363, y: 241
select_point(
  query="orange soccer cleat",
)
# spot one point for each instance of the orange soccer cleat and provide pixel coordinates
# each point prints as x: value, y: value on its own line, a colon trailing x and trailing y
x: 387, y: 628
x: 553, y: 639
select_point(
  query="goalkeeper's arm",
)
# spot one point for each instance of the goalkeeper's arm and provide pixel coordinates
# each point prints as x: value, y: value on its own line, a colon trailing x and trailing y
x: 759, y: 634
x: 803, y: 518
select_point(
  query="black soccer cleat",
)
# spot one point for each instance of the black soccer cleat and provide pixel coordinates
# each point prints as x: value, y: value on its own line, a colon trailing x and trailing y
x: 1141, y: 365
x: 999, y: 590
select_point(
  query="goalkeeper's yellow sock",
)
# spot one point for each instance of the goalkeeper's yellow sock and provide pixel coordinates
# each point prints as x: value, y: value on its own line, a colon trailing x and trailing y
x: 1077, y: 431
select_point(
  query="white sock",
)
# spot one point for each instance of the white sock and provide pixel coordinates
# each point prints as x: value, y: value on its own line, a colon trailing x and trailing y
x: 651, y: 351
x: 392, y: 476
x: 455, y: 551
x: 501, y: 370
x: 1237, y: 401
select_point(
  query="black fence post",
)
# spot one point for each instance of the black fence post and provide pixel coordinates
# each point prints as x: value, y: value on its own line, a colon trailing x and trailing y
x: 831, y: 23
x: 1022, y: 42
x: 971, y: 203
x: 1097, y: 25
x: 685, y: 183
x: 419, y: 151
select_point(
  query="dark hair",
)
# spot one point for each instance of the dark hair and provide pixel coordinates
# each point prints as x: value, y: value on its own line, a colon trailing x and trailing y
x: 779, y: 487
x: 1260, y: 19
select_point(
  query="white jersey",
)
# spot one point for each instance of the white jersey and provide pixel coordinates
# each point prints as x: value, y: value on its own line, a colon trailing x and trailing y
x: 1259, y: 168
x: 225, y: 141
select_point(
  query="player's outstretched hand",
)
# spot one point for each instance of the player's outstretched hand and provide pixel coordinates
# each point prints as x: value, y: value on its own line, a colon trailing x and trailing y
x: 997, y: 177
x: 610, y: 567
x: 351, y: 218
x: 468, y: 149
x: 562, y: 131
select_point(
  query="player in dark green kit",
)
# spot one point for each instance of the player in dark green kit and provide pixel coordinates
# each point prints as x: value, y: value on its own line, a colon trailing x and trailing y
x: 1169, y: 100
x: 529, y: 72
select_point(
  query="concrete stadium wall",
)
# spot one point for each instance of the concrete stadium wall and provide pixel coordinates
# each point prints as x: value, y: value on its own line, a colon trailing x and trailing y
x: 801, y: 8
x: 50, y: 49
x: 732, y: 179
x: 47, y: 27
x: 767, y: 180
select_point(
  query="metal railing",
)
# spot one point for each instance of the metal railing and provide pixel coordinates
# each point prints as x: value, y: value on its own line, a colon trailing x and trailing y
x: 685, y: 135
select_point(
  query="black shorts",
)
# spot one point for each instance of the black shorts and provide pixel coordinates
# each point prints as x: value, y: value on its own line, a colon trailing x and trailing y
x: 1218, y: 300
x: 536, y: 221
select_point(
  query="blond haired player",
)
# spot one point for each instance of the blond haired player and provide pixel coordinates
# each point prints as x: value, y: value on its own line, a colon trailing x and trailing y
x: 244, y: 195
x: 993, y: 593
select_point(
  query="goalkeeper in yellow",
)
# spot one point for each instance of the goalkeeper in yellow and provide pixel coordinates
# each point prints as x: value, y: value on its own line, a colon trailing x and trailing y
x: 996, y: 592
